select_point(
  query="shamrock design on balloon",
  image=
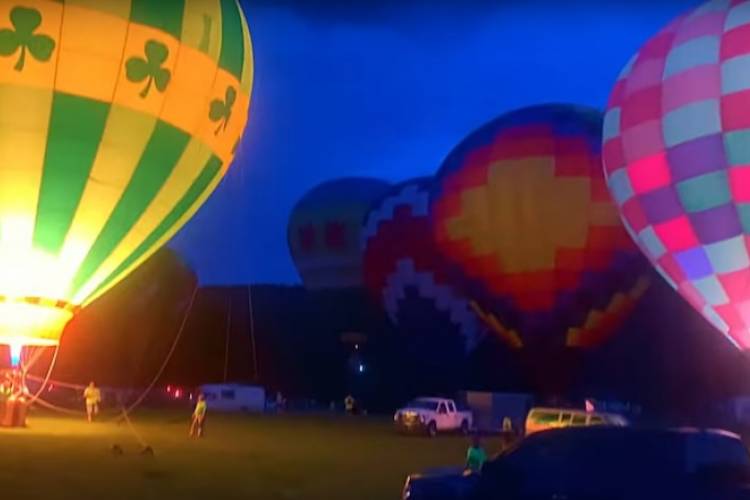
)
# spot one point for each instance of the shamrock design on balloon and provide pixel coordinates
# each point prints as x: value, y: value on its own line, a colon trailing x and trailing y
x: 150, y: 67
x: 221, y: 110
x: 22, y: 36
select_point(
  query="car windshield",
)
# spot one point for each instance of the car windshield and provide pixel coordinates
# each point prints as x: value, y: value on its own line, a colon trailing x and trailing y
x: 423, y: 404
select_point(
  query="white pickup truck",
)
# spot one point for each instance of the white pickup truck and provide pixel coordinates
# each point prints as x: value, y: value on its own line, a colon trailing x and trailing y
x: 432, y: 415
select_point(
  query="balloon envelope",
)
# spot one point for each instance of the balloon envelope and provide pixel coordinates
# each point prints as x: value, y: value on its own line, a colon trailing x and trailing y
x: 522, y: 213
x: 324, y: 231
x: 676, y: 158
x: 119, y: 119
x: 404, y: 272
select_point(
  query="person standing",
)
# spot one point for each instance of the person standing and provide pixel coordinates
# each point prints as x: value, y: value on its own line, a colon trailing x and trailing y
x: 349, y: 404
x: 475, y: 455
x: 280, y: 402
x: 507, y: 425
x: 199, y: 417
x: 93, y: 396
x: 508, y: 435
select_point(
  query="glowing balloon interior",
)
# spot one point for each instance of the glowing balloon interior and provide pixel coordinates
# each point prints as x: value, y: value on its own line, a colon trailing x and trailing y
x: 677, y: 159
x: 521, y: 211
x: 119, y: 118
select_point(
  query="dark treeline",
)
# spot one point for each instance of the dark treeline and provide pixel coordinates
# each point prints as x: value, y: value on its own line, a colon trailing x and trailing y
x: 667, y: 357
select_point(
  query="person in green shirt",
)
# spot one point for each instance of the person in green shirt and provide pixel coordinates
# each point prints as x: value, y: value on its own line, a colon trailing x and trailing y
x: 475, y: 456
x: 199, y: 417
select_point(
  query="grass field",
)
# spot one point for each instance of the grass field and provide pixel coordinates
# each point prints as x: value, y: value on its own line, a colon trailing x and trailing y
x: 248, y: 457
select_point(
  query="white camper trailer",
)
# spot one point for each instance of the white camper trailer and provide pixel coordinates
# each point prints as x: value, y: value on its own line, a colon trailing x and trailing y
x: 235, y: 397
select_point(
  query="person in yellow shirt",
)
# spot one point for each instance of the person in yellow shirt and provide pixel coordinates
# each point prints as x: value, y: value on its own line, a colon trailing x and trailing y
x: 93, y: 397
x: 199, y: 417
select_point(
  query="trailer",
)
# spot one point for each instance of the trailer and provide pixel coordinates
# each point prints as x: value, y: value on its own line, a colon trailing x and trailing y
x: 491, y: 408
x: 235, y: 397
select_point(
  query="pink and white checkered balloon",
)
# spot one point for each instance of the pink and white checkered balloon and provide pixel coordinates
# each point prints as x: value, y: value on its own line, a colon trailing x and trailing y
x: 677, y: 159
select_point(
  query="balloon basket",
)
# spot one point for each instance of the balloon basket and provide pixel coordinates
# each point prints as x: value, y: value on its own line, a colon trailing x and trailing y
x: 13, y: 412
x: 13, y: 401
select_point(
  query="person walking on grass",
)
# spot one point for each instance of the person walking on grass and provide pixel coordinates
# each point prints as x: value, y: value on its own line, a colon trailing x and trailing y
x: 93, y: 396
x: 199, y: 417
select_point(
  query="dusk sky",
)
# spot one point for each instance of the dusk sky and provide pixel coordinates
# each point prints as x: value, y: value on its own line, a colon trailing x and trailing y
x: 386, y: 89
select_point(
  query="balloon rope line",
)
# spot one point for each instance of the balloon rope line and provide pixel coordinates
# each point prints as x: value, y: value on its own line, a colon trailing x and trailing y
x: 36, y: 354
x: 46, y: 404
x: 58, y: 383
x: 252, y: 331
x: 139, y: 400
x: 46, y: 378
x: 124, y: 416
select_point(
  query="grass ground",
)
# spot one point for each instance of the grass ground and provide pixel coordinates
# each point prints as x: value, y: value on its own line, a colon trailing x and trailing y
x: 248, y: 457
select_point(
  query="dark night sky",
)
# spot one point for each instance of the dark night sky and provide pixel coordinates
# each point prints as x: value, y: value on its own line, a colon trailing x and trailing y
x: 386, y: 89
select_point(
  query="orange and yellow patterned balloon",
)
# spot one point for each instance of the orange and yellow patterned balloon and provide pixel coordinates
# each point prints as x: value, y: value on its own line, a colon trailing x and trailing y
x: 522, y: 214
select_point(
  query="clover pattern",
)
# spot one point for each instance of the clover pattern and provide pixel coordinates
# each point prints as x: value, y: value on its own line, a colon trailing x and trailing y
x: 150, y: 67
x: 23, y: 36
x: 221, y: 109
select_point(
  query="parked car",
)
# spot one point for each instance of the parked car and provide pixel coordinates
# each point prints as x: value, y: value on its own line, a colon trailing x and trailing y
x: 433, y: 415
x: 619, y: 463
x: 540, y: 419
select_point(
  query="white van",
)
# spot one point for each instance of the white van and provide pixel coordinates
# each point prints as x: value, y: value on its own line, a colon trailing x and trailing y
x: 540, y: 419
x: 234, y: 397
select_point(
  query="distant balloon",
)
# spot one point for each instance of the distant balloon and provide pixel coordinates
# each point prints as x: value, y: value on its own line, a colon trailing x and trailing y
x: 677, y: 159
x: 404, y: 272
x: 324, y: 231
x: 521, y: 211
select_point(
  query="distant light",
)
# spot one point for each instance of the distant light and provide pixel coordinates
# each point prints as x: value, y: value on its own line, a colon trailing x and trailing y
x: 361, y: 368
x: 177, y: 394
x: 356, y: 346
x: 169, y: 388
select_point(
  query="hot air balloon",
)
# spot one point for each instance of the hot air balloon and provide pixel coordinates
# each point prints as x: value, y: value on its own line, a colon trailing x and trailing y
x: 521, y: 212
x: 324, y: 232
x: 676, y: 154
x: 119, y: 119
x: 99, y: 342
x: 404, y: 273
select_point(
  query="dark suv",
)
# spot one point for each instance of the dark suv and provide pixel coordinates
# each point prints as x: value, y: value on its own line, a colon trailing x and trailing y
x: 602, y: 463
